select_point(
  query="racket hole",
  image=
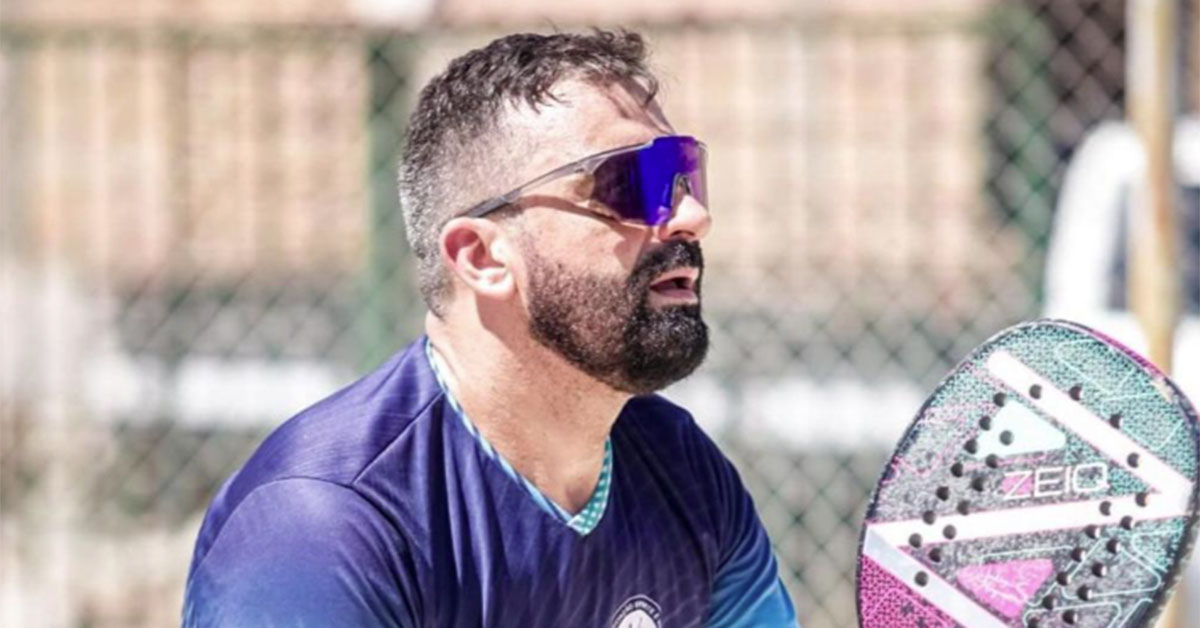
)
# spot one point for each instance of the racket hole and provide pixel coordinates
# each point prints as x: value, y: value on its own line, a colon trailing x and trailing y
x: 985, y: 423
x: 1071, y: 616
x: 999, y: 398
x: 1077, y: 554
x: 922, y: 578
x: 1076, y: 392
x: 1113, y: 546
x: 949, y: 532
x: 935, y: 554
x: 1134, y: 460
x: 1127, y: 522
x: 964, y: 507
x: 1093, y: 531
x: 972, y: 446
x: 1006, y: 437
x: 1084, y: 593
x: 1049, y: 603
x: 1106, y: 508
x: 1099, y: 570
x: 1142, y: 499
x: 1033, y: 622
x: 957, y: 470
x: 977, y: 484
x: 993, y: 461
x: 1063, y: 578
x: 1115, y: 420
x: 1035, y: 391
x: 929, y: 517
x: 943, y: 493
x: 915, y: 540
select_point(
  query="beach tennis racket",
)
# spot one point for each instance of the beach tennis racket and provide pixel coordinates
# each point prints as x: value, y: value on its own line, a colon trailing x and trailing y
x: 1050, y: 480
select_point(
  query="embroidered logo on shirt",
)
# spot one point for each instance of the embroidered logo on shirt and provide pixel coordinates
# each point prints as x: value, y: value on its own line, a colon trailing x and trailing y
x: 638, y: 611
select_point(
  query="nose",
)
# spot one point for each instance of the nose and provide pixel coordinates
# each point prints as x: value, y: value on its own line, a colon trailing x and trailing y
x: 691, y: 221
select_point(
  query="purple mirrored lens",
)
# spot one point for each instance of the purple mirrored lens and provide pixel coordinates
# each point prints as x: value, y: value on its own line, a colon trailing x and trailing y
x: 641, y: 185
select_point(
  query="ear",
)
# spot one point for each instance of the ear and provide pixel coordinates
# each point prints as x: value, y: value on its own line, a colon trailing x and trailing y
x: 480, y: 254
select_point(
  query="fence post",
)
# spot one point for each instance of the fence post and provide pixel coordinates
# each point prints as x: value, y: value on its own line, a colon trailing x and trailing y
x: 1151, y: 105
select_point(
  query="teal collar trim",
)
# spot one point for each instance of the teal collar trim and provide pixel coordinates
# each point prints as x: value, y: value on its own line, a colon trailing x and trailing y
x: 582, y: 522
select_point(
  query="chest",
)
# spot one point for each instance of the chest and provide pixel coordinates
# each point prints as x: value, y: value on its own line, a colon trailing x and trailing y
x: 502, y: 561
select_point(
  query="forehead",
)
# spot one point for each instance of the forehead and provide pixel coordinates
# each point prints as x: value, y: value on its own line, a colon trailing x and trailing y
x: 584, y: 119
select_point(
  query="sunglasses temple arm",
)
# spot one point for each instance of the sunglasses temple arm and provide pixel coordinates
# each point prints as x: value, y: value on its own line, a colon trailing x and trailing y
x: 497, y: 202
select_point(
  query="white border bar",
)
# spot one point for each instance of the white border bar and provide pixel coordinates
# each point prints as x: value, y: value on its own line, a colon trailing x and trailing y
x: 945, y: 596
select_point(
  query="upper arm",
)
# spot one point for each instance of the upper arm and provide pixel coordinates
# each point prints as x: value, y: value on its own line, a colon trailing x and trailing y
x: 747, y: 590
x: 303, y: 553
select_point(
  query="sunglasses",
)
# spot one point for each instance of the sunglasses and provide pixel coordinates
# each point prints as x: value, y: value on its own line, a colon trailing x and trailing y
x: 638, y: 183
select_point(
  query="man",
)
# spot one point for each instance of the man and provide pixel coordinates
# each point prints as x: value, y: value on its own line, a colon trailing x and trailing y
x: 513, y: 468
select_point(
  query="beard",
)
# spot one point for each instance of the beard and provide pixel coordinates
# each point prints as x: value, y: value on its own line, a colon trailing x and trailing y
x: 606, y: 326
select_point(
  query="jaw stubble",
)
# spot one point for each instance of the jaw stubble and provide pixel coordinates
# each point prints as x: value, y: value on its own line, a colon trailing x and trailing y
x: 607, y: 327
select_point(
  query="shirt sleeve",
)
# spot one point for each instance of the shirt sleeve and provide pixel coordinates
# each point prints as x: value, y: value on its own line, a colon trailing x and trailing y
x: 302, y: 552
x: 747, y: 590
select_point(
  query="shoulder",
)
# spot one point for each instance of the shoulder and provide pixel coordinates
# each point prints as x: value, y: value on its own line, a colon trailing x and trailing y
x: 655, y: 413
x: 339, y: 436
x: 668, y: 429
x: 656, y: 436
x: 298, y: 519
x: 334, y: 443
x: 336, y: 437
x: 300, y: 548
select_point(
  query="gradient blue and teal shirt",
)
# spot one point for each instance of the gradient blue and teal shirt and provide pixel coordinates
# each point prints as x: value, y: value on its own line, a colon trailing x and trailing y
x: 383, y: 506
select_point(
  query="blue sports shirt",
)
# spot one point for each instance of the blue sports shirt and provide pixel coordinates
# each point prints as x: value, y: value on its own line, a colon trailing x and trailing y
x: 382, y: 505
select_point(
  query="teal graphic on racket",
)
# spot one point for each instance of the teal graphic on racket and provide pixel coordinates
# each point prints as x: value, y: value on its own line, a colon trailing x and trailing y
x: 1050, y: 480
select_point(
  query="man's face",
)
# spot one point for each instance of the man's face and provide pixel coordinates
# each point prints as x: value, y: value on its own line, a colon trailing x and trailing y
x: 619, y: 301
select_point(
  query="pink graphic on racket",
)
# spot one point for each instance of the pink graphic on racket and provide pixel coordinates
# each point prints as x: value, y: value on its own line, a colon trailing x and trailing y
x: 1050, y: 480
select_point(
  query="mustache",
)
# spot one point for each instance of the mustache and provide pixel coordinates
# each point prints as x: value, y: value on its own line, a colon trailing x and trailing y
x: 668, y: 257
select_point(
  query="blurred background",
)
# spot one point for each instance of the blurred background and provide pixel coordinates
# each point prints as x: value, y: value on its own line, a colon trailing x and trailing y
x: 201, y: 236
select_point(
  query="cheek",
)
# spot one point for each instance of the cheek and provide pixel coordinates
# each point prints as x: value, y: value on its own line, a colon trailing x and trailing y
x: 627, y: 250
x: 586, y: 244
x: 601, y: 248
x: 622, y: 245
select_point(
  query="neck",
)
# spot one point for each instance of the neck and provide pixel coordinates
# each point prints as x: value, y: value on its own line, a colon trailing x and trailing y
x: 545, y: 417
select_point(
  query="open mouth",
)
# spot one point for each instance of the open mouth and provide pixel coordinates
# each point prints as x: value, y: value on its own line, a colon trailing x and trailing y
x: 678, y: 284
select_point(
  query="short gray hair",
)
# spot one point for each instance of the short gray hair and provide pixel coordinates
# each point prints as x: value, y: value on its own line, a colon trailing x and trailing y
x: 455, y: 135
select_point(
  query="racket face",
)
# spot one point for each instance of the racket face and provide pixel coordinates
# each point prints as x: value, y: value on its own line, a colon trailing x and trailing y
x: 1050, y: 480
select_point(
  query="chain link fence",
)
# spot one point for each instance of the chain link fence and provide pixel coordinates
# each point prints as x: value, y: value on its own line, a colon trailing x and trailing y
x: 201, y: 237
